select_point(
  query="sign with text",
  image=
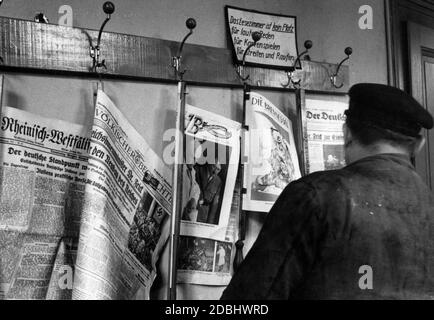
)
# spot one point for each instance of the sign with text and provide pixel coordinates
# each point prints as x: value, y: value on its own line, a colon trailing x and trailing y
x: 278, y: 45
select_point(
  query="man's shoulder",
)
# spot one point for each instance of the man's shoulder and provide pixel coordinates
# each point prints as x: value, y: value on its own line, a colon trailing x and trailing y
x: 312, y: 185
x: 323, y: 185
x: 331, y: 177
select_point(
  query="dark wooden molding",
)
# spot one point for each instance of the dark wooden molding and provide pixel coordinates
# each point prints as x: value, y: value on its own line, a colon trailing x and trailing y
x: 390, y: 44
x: 401, y: 12
x: 425, y: 7
x: 27, y: 45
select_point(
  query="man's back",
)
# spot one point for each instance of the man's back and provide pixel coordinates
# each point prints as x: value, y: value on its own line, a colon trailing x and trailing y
x: 335, y: 227
x: 381, y: 215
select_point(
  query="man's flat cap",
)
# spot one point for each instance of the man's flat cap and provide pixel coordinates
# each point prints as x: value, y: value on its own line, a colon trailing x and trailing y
x: 389, y: 108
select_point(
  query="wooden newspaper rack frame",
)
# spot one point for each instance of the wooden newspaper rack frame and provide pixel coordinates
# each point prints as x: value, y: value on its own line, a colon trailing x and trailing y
x: 48, y: 48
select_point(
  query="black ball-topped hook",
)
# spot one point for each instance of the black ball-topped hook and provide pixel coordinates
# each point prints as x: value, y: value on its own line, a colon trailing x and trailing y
x: 308, y: 44
x: 190, y: 23
x: 348, y: 51
x: 256, y: 36
x: 108, y: 7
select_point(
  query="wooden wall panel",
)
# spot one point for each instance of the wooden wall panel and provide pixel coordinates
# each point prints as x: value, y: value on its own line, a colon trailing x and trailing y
x: 48, y: 47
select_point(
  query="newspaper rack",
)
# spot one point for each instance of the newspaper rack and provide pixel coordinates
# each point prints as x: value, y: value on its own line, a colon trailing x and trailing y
x: 213, y: 67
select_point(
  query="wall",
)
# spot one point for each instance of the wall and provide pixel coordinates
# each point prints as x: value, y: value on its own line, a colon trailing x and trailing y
x: 331, y: 24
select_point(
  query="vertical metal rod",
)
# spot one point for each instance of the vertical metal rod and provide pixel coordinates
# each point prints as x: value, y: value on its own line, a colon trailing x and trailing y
x: 178, y: 171
x: 390, y: 43
x: 302, y: 145
x: 239, y: 245
x: 175, y: 220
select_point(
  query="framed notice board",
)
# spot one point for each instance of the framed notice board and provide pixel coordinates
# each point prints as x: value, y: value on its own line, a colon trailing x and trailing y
x: 277, y: 47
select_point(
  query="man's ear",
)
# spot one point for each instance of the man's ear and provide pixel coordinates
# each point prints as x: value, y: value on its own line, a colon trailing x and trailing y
x: 348, y: 137
x: 419, y: 144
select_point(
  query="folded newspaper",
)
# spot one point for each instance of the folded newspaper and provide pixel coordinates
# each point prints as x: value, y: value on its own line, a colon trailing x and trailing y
x: 83, y: 212
x: 324, y: 148
x: 126, y: 202
x: 43, y: 169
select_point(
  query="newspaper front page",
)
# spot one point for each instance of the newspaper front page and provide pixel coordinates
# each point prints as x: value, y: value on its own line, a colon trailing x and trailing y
x: 42, y: 167
x: 212, y: 158
x: 124, y: 213
x: 272, y: 161
x: 325, y: 137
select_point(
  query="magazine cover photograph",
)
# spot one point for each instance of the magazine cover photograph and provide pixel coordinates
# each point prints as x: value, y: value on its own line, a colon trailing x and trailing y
x: 272, y: 158
x: 212, y: 156
x: 146, y: 230
x: 204, y: 261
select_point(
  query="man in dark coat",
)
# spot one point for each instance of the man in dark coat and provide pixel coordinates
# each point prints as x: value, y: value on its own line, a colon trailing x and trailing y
x: 363, y: 232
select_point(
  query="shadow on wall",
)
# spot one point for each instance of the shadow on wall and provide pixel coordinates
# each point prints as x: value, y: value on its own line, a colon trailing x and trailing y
x: 87, y: 107
x: 168, y: 116
x: 14, y: 100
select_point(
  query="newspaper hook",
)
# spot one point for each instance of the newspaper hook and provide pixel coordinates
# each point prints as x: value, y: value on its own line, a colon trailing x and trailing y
x: 108, y: 8
x: 308, y: 44
x: 176, y: 61
x: 348, y: 52
x: 256, y: 36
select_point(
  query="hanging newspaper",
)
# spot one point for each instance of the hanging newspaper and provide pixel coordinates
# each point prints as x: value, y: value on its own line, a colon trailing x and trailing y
x: 212, y: 145
x: 272, y: 161
x: 323, y: 122
x: 277, y: 47
x: 42, y: 173
x: 124, y: 213
x: 206, y: 261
